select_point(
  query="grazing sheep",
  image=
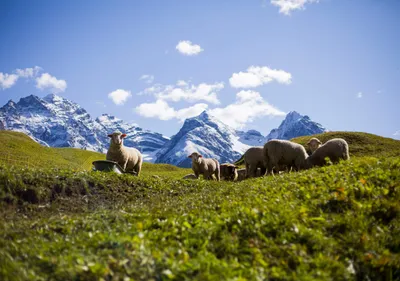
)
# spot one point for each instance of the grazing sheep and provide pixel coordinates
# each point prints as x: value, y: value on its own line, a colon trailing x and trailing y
x: 205, y: 166
x: 254, y: 159
x: 129, y: 158
x: 313, y: 144
x: 281, y: 153
x: 228, y: 171
x: 334, y: 149
x: 242, y: 174
x: 190, y: 177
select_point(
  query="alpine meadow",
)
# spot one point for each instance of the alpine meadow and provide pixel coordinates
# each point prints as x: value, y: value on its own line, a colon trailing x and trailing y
x: 200, y: 140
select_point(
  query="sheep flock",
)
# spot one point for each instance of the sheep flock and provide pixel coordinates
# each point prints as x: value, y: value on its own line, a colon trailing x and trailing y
x: 275, y: 156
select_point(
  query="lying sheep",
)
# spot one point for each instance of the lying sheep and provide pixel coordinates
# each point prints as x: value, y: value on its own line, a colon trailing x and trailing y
x: 205, y: 166
x: 190, y: 177
x: 281, y: 153
x: 228, y: 171
x: 129, y: 158
x: 313, y: 144
x: 334, y: 149
x: 254, y: 159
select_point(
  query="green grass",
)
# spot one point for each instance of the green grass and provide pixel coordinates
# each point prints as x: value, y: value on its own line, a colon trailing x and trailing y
x: 19, y: 150
x: 340, y: 222
x: 360, y: 144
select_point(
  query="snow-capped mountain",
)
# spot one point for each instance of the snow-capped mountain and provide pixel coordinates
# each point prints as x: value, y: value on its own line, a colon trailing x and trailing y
x: 58, y: 122
x: 214, y: 139
x: 296, y: 125
x: 206, y: 135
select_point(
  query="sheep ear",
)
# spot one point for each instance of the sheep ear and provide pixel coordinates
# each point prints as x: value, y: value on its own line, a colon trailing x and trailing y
x: 190, y: 156
x: 200, y: 156
x: 123, y: 136
x: 110, y: 135
x: 319, y: 142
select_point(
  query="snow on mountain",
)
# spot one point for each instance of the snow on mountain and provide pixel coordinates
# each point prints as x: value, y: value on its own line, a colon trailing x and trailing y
x: 206, y: 135
x: 58, y: 122
x: 252, y: 138
x: 296, y: 125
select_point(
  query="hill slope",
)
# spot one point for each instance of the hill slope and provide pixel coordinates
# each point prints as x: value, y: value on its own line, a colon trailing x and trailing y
x: 20, y: 150
x: 360, y: 144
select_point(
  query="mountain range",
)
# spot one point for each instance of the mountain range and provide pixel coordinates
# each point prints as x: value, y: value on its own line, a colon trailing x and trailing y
x: 57, y: 122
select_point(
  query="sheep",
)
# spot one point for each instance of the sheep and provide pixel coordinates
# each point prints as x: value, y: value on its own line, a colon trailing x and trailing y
x: 334, y: 149
x: 190, y: 177
x: 242, y: 174
x: 281, y: 153
x: 129, y: 158
x: 254, y: 159
x: 228, y: 171
x: 205, y: 166
x: 313, y: 144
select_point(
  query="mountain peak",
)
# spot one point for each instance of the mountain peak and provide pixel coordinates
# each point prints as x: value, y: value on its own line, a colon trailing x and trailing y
x: 53, y: 98
x: 295, y: 125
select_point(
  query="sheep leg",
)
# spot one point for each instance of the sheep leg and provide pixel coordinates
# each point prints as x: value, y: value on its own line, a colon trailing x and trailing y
x: 138, y: 168
x: 218, y: 174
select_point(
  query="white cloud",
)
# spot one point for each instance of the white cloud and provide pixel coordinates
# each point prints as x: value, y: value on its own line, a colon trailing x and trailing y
x: 7, y: 80
x: 47, y: 81
x: 186, y: 91
x: 257, y: 76
x: 188, y: 48
x: 147, y: 78
x: 161, y: 110
x: 397, y: 134
x: 119, y: 96
x: 249, y: 105
x: 28, y: 72
x: 287, y: 6
x: 359, y: 95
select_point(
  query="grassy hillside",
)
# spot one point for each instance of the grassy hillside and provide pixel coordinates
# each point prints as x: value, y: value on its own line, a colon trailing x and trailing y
x: 360, y: 144
x: 340, y: 222
x: 20, y: 150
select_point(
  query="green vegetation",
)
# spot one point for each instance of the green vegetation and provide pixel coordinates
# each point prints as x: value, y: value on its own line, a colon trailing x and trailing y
x: 20, y: 150
x: 340, y: 222
x: 360, y: 144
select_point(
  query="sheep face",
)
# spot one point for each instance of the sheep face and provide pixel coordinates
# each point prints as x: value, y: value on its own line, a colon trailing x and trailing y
x: 117, y: 138
x: 313, y: 144
x: 195, y: 157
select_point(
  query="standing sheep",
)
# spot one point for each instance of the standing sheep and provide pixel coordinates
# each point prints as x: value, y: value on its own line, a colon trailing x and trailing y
x: 334, y: 149
x: 313, y: 144
x: 129, y: 158
x: 254, y: 159
x: 205, y: 166
x: 280, y: 153
x: 228, y: 171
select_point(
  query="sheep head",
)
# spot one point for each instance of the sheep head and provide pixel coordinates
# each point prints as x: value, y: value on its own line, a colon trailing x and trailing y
x: 313, y: 144
x: 195, y: 157
x: 117, y: 138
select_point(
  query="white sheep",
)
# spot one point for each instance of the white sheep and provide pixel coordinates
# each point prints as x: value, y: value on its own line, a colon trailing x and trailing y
x: 228, y: 171
x: 279, y: 154
x: 205, y: 166
x: 254, y: 159
x: 334, y: 149
x: 129, y: 158
x: 313, y: 144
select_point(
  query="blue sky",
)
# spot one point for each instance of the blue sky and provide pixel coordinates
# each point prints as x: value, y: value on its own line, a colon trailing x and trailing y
x: 248, y: 62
